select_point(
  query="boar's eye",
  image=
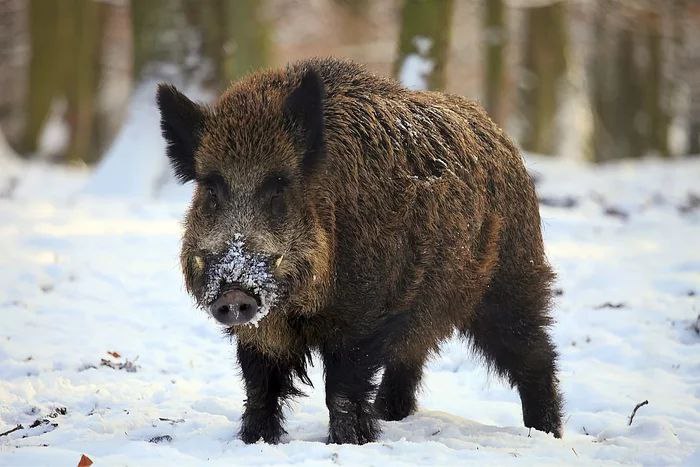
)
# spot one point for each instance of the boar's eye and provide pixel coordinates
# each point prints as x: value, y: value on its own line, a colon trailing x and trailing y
x: 273, y: 195
x: 212, y: 202
x: 214, y: 190
x: 278, y: 207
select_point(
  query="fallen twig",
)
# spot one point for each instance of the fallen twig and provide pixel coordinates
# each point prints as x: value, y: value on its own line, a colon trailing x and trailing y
x: 612, y: 211
x: 634, y: 412
x: 691, y: 204
x: 58, y: 411
x: 566, y: 202
x: 128, y: 366
x: 171, y: 421
x: 38, y: 422
x: 161, y: 439
x: 696, y: 326
x: 18, y: 427
x: 610, y: 305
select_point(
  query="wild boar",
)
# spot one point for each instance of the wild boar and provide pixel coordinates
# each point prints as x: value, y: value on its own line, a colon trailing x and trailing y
x: 335, y: 211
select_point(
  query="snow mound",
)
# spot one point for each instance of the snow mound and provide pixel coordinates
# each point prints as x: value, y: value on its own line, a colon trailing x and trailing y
x: 103, y: 353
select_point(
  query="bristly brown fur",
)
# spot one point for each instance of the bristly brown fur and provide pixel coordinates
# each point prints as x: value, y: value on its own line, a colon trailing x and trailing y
x: 407, y: 215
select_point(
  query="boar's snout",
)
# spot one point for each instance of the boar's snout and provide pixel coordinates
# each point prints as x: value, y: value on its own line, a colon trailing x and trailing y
x: 234, y: 307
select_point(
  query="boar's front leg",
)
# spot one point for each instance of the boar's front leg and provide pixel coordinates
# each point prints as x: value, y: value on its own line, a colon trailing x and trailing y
x: 349, y: 374
x: 268, y: 382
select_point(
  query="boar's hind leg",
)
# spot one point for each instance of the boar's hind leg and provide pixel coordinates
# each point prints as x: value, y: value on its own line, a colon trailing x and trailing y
x: 268, y: 383
x: 349, y: 374
x: 396, y: 398
x: 510, y: 329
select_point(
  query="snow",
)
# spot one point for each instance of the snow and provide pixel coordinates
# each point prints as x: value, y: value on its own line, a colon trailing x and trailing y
x: 133, y: 166
x: 54, y: 136
x: 416, y: 67
x: 84, y: 274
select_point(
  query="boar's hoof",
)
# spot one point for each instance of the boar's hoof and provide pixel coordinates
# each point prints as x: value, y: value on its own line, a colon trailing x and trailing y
x: 396, y: 408
x: 266, y: 428
x: 353, y: 423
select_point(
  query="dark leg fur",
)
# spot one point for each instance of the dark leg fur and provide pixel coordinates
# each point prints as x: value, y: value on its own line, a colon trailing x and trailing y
x: 396, y: 398
x: 268, y: 383
x: 349, y: 373
x: 510, y: 329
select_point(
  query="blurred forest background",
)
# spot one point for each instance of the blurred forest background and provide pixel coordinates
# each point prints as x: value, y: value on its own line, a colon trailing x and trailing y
x: 587, y: 79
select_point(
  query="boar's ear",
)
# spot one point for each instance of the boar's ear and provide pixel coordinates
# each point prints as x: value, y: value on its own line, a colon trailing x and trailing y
x: 181, y: 122
x: 304, y: 109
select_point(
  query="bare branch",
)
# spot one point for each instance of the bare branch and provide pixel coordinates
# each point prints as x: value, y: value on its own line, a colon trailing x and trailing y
x: 634, y: 412
x: 18, y: 427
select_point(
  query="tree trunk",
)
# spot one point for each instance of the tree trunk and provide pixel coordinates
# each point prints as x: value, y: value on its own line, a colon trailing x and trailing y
x: 616, y: 93
x: 545, y: 67
x: 247, y: 38
x: 83, y: 24
x: 631, y: 101
x: 161, y: 38
x: 495, y: 39
x: 14, y: 72
x: 657, y: 90
x: 423, y: 43
x: 63, y: 78
x: 116, y: 78
x: 229, y: 39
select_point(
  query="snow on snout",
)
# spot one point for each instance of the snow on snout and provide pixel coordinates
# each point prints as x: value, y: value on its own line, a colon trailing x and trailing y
x: 250, y: 270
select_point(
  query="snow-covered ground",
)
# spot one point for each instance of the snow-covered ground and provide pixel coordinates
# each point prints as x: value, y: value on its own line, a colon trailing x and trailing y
x: 103, y: 354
